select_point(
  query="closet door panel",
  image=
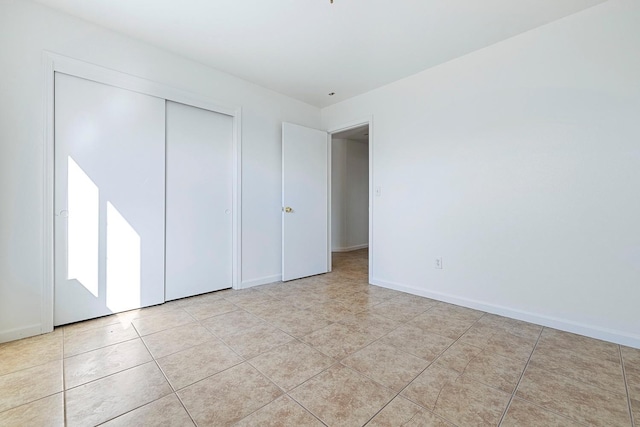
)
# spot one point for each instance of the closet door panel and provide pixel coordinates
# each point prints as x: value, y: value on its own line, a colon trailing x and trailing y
x: 109, y: 199
x: 199, y: 201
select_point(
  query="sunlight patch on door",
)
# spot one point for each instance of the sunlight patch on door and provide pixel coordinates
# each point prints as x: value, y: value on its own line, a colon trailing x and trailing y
x: 123, y: 262
x: 83, y: 228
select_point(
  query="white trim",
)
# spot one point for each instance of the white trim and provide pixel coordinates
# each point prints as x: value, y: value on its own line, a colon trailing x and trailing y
x: 346, y: 126
x: 351, y: 248
x: 19, y: 333
x: 53, y: 63
x: 592, y: 331
x: 329, y: 201
x: 261, y: 281
x: 46, y: 307
x: 236, y: 241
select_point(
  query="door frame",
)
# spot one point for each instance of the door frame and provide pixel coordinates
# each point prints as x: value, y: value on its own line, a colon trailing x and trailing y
x: 53, y: 63
x: 346, y: 126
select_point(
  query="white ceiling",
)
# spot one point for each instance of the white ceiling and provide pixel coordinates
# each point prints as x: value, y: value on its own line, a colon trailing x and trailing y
x: 308, y: 48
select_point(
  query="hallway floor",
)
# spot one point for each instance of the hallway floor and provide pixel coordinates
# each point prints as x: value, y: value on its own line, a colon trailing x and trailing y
x: 325, y: 350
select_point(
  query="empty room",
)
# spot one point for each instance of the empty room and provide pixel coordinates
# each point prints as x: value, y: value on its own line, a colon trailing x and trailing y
x: 320, y: 212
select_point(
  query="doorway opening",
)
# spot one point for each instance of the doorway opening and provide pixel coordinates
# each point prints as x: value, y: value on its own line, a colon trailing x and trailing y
x: 350, y: 200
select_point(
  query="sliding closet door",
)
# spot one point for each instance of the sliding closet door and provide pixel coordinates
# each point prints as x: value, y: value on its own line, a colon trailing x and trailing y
x: 199, y: 201
x: 109, y: 199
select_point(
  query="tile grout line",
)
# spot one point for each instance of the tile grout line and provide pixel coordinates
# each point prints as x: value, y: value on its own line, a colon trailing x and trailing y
x: 626, y: 385
x: 515, y: 389
x: 398, y: 394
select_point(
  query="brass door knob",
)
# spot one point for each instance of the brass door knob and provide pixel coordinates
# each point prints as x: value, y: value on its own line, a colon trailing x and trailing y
x: 288, y: 209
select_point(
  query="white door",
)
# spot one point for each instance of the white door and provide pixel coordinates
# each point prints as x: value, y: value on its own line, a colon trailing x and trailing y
x: 199, y: 201
x: 109, y: 199
x: 305, y: 201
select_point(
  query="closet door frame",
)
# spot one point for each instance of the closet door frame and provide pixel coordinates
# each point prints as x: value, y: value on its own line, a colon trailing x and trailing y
x: 53, y: 63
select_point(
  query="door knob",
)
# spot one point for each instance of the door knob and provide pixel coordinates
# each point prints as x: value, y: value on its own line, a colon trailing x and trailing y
x: 288, y: 209
x: 64, y: 213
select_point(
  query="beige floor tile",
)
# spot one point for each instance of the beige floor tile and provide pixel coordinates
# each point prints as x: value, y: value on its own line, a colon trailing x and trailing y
x: 466, y: 402
x: 291, y: 364
x: 109, y: 397
x: 442, y: 324
x: 382, y: 293
x: 509, y: 345
x: 335, y: 311
x: 495, y: 370
x: 340, y: 396
x: 209, y: 296
x: 256, y: 340
x: 29, y: 352
x: 305, y: 299
x: 402, y: 412
x: 121, y: 319
x: 92, y: 365
x: 426, y: 388
x: 362, y: 299
x: 522, y: 413
x: 398, y: 412
x: 164, y: 412
x: 155, y: 310
x: 427, y: 419
x: 458, y: 356
x: 229, y: 396
x: 97, y: 338
x: 48, y: 412
x: 580, y: 345
x: 633, y: 381
x: 631, y: 356
x: 521, y: 328
x: 267, y: 308
x: 27, y: 385
x: 162, y: 321
x: 386, y: 365
x: 337, y: 340
x: 369, y: 323
x: 574, y: 399
x: 173, y: 340
x: 513, y: 326
x: 467, y: 315
x: 281, y: 412
x: 204, y: 310
x: 196, y: 363
x: 231, y: 322
x: 601, y: 373
x: 635, y: 409
x: 478, y: 335
x: 416, y: 341
x: 245, y: 296
x: 397, y: 309
x: 298, y: 323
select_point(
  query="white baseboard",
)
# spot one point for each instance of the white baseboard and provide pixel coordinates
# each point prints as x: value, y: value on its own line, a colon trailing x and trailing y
x: 19, y: 333
x: 606, y: 334
x: 260, y: 281
x: 350, y: 248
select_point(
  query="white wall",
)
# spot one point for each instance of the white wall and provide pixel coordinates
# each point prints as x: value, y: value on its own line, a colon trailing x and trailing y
x: 519, y: 164
x: 26, y: 29
x: 349, y: 194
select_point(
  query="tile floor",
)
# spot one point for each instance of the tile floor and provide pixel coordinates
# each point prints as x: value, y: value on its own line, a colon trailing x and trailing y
x: 327, y: 350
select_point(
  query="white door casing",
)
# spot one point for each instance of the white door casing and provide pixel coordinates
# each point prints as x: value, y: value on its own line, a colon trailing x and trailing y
x: 305, y: 201
x: 109, y: 199
x: 199, y: 201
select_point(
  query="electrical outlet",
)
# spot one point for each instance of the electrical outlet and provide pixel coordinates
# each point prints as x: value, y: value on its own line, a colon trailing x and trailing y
x: 439, y: 263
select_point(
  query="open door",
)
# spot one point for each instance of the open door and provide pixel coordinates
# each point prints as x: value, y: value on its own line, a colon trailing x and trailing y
x: 305, y: 202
